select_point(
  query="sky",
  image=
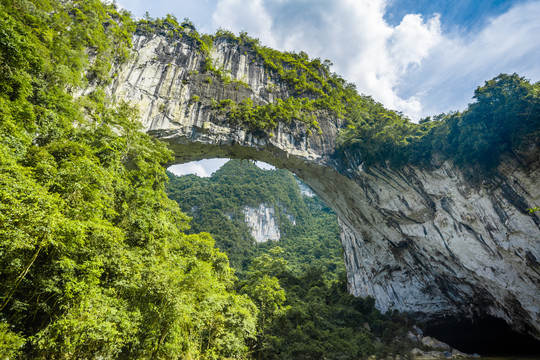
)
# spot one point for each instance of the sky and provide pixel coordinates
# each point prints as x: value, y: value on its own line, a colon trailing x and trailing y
x: 420, y: 57
x: 205, y: 168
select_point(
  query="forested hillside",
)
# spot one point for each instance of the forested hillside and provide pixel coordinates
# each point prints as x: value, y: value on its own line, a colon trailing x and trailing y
x: 216, y: 205
x: 299, y: 282
x: 97, y: 262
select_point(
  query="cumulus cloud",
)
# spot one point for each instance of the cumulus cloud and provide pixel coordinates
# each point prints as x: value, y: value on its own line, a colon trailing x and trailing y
x: 241, y: 15
x: 189, y: 168
x: 202, y: 168
x: 351, y: 33
x: 264, y: 166
x: 459, y: 63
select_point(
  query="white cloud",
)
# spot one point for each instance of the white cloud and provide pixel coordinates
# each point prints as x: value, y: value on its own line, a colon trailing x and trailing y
x: 413, y: 39
x: 352, y: 33
x: 197, y: 11
x: 205, y: 168
x: 202, y: 168
x: 459, y: 63
x: 242, y: 15
x: 264, y: 166
x: 189, y: 168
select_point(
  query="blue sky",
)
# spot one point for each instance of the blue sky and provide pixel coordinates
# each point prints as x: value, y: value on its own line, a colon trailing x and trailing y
x: 465, y: 15
x: 417, y: 56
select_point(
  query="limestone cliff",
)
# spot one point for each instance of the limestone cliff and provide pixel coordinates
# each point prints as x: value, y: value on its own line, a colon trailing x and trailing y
x: 447, y: 246
x: 416, y: 239
x: 263, y: 223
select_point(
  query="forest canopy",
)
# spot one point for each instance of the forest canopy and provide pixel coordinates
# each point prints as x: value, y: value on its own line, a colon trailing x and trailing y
x: 97, y: 262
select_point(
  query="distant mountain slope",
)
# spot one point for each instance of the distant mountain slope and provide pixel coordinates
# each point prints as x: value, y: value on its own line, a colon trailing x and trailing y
x: 241, y: 200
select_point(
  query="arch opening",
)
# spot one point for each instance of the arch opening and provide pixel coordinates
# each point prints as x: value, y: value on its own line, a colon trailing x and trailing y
x: 250, y: 207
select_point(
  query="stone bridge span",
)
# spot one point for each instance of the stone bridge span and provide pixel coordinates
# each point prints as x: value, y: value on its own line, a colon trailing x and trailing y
x: 424, y: 241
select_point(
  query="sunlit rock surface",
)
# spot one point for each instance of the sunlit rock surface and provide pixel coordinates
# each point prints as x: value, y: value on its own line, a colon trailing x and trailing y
x: 420, y: 240
x: 263, y: 223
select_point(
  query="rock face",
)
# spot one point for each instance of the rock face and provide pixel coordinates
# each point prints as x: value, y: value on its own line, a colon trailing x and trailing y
x: 263, y: 223
x: 419, y: 240
x: 447, y: 246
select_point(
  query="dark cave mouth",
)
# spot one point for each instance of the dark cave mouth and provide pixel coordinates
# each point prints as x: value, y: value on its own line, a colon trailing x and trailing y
x: 487, y: 336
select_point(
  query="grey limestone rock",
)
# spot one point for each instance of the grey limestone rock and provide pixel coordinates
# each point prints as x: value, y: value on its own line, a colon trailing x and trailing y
x: 435, y: 344
x: 263, y: 223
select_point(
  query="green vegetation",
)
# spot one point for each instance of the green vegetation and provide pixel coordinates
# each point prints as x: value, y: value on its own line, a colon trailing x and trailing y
x: 97, y: 262
x: 323, y: 321
x: 94, y: 260
x: 306, y: 78
x: 504, y: 118
x: 298, y: 283
x: 266, y: 117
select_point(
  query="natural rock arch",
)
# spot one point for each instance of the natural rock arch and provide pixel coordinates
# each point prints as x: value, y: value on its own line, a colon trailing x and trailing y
x: 418, y: 240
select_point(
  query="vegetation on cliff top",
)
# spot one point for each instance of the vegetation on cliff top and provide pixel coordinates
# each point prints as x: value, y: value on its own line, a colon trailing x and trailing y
x: 504, y: 117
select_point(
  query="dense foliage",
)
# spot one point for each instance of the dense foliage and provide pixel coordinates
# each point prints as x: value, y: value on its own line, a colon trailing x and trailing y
x: 97, y: 262
x: 93, y: 259
x: 503, y: 119
x: 298, y: 283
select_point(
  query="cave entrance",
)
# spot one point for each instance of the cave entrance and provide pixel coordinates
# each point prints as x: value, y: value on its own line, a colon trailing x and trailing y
x: 487, y: 336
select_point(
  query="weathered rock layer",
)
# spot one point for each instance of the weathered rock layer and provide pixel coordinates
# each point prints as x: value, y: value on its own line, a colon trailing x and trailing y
x: 425, y: 241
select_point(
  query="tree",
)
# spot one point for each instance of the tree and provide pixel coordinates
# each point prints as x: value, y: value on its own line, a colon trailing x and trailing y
x: 263, y: 287
x: 94, y: 260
